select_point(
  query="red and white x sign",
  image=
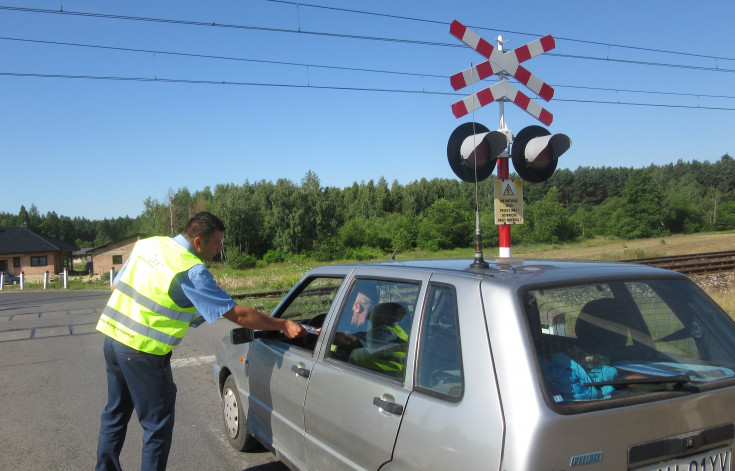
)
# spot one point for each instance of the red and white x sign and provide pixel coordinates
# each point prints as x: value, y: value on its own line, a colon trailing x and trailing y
x: 499, y: 61
x: 495, y: 92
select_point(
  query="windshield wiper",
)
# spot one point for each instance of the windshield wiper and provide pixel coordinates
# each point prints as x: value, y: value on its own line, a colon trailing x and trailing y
x: 679, y: 379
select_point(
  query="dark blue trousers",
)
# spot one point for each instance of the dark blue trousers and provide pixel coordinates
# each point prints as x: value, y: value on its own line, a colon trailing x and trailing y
x: 144, y: 383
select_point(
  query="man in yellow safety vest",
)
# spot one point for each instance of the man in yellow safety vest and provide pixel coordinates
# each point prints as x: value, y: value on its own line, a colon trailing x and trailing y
x: 163, y: 288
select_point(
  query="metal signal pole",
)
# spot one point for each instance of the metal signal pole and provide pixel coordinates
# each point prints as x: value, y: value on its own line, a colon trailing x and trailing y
x: 502, y: 167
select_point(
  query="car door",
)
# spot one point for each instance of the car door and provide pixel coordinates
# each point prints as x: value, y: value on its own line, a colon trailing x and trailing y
x: 277, y: 396
x: 279, y: 370
x: 354, y: 407
x: 455, y: 405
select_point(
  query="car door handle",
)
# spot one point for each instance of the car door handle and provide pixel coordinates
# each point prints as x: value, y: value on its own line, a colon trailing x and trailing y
x: 390, y: 407
x: 300, y: 371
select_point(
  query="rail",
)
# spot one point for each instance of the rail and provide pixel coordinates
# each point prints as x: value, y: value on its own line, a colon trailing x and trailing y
x: 693, y: 264
x: 689, y: 264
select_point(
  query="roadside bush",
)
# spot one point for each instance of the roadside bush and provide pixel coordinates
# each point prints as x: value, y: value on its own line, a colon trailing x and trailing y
x: 446, y: 225
x: 274, y: 256
x: 364, y: 253
x: 403, y: 229
x: 547, y: 221
x: 373, y: 232
x: 242, y: 261
x: 327, y: 250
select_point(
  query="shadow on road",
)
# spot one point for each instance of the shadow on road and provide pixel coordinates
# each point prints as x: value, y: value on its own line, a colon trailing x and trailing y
x: 277, y: 466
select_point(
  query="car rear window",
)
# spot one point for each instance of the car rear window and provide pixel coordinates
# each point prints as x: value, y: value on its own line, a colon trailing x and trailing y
x: 597, y: 342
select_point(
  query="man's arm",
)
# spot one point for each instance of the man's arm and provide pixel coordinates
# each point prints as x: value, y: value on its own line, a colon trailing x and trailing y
x: 252, y: 319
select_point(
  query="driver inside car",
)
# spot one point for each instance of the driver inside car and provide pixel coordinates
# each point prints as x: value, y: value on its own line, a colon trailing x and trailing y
x: 383, y: 347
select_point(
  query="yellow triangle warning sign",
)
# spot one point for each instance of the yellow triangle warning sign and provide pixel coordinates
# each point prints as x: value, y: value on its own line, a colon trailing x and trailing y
x: 508, y: 190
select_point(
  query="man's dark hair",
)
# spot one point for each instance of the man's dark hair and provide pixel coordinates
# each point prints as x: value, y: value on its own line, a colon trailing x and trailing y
x: 203, y: 224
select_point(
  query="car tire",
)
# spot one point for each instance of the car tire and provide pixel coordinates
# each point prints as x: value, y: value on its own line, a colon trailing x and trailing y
x: 235, y: 419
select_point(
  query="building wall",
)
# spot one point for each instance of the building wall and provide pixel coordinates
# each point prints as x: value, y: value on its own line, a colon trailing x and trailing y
x: 54, y: 264
x: 102, y: 262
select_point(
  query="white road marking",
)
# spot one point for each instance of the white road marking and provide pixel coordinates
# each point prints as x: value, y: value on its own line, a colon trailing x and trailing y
x: 193, y: 361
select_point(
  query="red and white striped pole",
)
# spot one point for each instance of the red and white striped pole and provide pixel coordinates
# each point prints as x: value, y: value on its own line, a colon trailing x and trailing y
x: 503, y: 229
x: 504, y: 250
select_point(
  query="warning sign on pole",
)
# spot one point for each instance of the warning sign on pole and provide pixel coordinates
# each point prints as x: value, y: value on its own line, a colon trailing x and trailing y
x: 508, y: 202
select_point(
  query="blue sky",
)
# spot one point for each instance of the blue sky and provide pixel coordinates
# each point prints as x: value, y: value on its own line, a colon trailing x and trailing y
x: 249, y: 90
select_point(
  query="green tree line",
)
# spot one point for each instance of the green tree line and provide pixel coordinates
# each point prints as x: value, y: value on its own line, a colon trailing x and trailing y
x: 274, y: 221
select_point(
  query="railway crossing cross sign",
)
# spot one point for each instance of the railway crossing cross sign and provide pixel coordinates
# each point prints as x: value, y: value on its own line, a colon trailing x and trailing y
x: 498, y: 62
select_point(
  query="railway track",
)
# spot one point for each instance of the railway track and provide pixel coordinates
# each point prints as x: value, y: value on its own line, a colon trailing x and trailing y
x: 690, y: 264
x: 693, y: 264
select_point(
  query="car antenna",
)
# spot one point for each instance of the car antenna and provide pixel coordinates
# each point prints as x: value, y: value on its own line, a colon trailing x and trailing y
x: 393, y: 255
x: 479, y: 260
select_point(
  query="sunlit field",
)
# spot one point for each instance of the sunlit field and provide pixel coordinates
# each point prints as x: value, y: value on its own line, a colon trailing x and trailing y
x: 280, y: 277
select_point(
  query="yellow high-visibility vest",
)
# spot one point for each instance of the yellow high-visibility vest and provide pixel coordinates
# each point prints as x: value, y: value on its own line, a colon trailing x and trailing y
x: 140, y: 313
x: 392, y: 362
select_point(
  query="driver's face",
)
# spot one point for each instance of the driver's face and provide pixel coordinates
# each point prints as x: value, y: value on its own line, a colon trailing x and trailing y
x: 359, y: 311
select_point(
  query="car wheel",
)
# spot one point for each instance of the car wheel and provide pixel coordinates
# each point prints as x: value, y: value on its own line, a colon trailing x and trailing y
x: 234, y: 418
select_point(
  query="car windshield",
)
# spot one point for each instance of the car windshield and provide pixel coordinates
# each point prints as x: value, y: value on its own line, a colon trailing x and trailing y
x: 610, y: 340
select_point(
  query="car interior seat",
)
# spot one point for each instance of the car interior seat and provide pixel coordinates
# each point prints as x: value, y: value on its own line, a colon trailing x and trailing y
x: 599, y: 329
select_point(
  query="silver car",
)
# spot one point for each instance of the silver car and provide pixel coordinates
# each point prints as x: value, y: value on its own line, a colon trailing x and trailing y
x: 520, y: 365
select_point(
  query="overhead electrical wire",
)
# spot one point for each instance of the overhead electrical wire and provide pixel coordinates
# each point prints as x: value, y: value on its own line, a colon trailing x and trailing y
x: 322, y: 66
x: 363, y: 37
x: 422, y: 20
x: 208, y: 56
x: 330, y: 87
x: 306, y: 65
x: 372, y: 38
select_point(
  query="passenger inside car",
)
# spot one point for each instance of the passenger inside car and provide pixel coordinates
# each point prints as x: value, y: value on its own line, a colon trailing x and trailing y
x: 354, y: 319
x: 385, y: 344
x: 365, y: 299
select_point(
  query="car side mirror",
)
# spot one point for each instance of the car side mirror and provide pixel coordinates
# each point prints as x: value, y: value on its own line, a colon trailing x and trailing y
x: 241, y: 335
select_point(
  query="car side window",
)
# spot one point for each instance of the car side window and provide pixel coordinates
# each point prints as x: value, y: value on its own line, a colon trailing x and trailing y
x: 374, y: 326
x: 439, y: 370
x: 310, y: 305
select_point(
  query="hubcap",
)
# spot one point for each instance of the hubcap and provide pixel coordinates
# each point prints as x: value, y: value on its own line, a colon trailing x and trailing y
x: 229, y: 407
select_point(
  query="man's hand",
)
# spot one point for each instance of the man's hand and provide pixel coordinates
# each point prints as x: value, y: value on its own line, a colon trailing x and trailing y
x: 293, y: 330
x: 252, y: 319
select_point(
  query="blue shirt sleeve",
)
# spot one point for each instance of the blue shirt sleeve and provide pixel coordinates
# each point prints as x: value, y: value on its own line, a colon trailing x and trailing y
x: 196, y: 288
x: 199, y: 288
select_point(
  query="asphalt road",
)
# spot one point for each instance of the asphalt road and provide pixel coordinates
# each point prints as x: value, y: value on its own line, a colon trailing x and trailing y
x: 53, y: 389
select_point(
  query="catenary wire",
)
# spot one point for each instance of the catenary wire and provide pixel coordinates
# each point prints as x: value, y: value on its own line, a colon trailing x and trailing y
x: 196, y: 23
x: 330, y: 67
x: 423, y: 20
x: 371, y: 38
x: 330, y: 87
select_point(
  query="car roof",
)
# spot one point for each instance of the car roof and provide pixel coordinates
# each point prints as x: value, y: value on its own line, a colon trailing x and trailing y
x: 521, y: 271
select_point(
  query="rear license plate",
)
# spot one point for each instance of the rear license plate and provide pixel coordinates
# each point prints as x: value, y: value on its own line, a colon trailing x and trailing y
x: 714, y: 460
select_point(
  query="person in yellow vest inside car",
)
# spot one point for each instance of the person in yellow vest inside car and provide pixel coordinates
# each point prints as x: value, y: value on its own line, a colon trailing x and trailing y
x: 163, y: 288
x: 385, y: 344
